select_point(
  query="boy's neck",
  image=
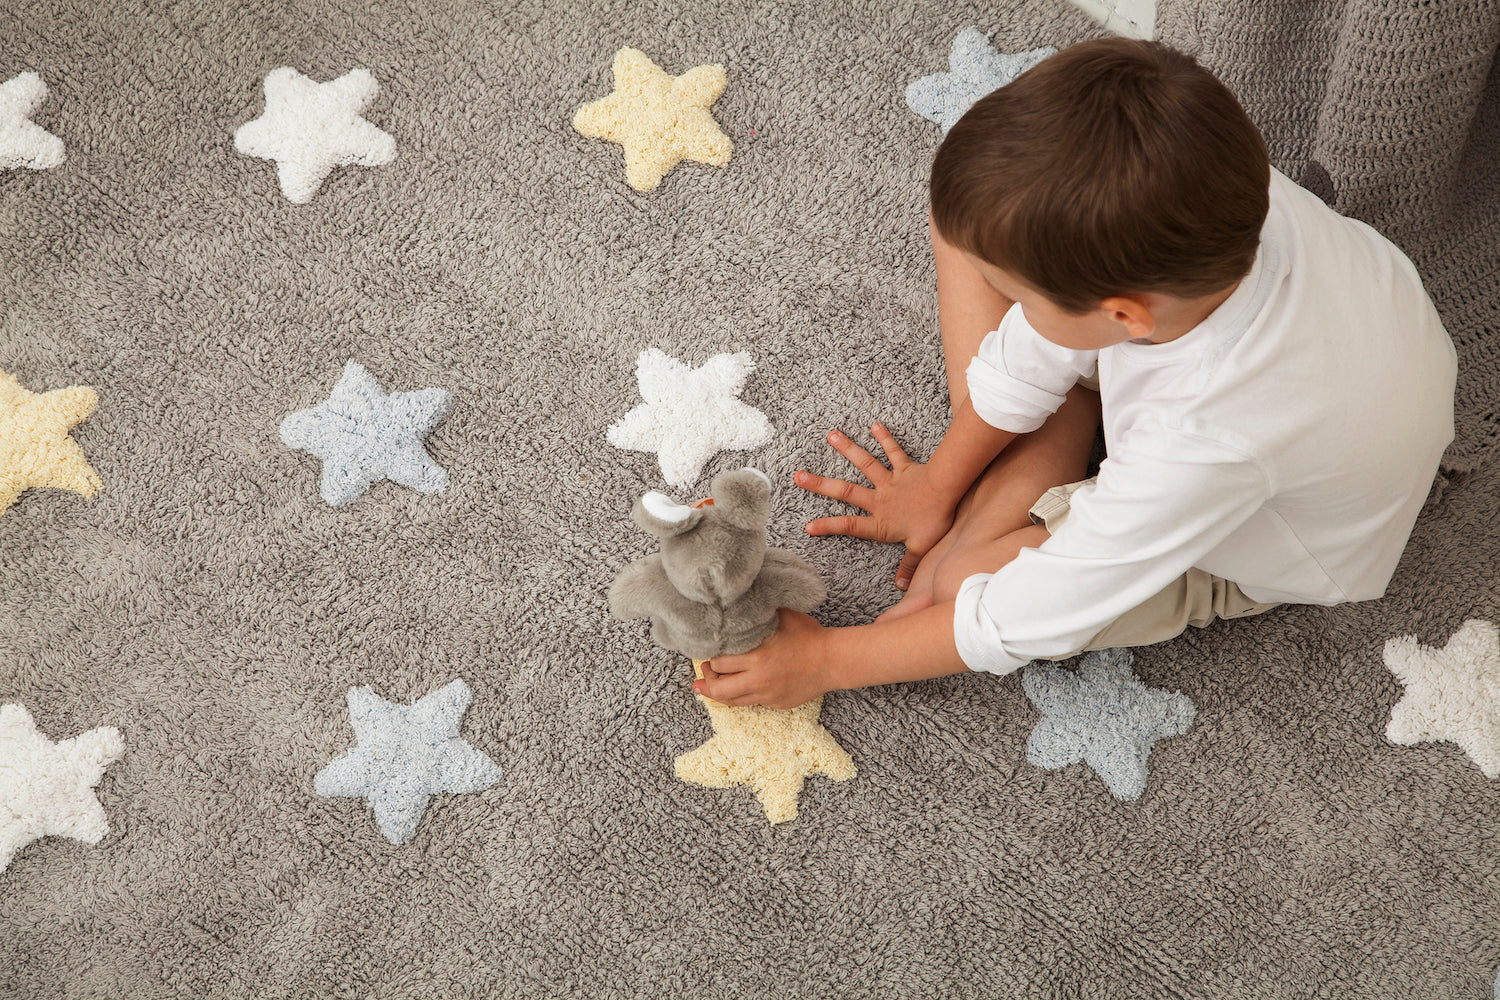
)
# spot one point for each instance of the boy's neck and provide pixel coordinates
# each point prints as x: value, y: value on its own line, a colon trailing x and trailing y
x: 1178, y: 317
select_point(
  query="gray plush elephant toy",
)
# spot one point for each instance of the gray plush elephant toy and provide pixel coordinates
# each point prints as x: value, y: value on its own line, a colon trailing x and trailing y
x: 714, y: 588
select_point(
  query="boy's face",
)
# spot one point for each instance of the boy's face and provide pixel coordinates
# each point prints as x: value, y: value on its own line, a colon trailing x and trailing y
x: 1114, y: 321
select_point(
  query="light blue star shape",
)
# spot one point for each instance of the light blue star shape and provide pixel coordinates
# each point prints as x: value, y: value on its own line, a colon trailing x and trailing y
x: 977, y: 70
x: 363, y: 435
x: 1101, y: 715
x: 404, y: 754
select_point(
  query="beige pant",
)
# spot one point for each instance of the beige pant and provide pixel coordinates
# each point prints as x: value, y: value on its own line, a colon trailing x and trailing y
x: 1195, y: 598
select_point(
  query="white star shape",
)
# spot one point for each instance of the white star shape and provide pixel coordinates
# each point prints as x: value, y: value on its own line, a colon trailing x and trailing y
x: 1452, y: 693
x: 46, y: 788
x: 404, y: 754
x: 24, y: 143
x: 309, y: 128
x: 689, y: 414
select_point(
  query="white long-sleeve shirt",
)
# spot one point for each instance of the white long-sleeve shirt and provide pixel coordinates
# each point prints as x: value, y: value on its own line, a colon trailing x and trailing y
x: 1286, y: 443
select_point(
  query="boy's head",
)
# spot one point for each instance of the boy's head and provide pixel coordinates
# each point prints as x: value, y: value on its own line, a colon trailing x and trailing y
x: 1117, y: 175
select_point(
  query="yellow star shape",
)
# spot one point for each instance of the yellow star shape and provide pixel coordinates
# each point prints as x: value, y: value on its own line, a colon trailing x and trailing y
x: 35, y: 449
x: 768, y: 749
x: 661, y: 120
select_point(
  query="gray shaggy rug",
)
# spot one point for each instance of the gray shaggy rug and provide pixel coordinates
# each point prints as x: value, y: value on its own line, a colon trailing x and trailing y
x: 232, y: 655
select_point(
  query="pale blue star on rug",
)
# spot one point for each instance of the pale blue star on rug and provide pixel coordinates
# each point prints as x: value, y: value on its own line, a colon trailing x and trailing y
x: 1101, y: 715
x: 364, y: 435
x: 404, y: 754
x: 976, y: 70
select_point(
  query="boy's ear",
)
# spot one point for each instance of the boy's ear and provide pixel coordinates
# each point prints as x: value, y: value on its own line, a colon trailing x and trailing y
x: 1131, y: 312
x: 742, y: 498
x: 663, y: 516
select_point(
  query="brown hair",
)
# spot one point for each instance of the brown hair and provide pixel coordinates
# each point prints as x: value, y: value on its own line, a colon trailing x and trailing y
x: 1116, y: 165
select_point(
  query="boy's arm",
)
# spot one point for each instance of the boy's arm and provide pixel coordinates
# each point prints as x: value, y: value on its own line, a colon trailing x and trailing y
x: 967, y: 449
x: 1155, y: 510
x: 909, y: 502
x: 803, y: 659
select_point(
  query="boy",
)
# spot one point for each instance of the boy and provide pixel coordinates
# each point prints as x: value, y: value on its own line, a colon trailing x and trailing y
x: 1275, y: 385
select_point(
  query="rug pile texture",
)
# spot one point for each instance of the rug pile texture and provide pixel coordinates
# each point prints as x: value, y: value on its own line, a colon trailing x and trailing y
x: 316, y: 580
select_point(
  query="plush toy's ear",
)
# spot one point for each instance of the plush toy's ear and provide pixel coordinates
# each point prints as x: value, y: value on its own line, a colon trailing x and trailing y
x: 742, y: 498
x: 663, y: 516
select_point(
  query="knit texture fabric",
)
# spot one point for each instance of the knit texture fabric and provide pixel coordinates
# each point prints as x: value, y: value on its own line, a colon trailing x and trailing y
x: 1399, y: 103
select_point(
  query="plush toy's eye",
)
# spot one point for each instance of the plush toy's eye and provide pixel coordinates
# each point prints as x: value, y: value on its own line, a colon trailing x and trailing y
x: 664, y: 508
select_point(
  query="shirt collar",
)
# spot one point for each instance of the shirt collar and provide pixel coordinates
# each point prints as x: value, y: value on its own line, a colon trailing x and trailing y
x: 1223, y: 327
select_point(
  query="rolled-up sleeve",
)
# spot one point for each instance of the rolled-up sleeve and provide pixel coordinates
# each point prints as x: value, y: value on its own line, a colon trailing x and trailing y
x: 1019, y: 378
x: 1145, y: 521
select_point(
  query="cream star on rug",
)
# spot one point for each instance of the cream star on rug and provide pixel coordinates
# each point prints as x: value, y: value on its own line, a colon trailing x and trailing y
x: 309, y: 128
x: 24, y: 143
x: 661, y: 120
x: 689, y: 414
x: 771, y: 750
x: 35, y: 449
x: 46, y: 788
x: 405, y: 754
x: 1452, y: 693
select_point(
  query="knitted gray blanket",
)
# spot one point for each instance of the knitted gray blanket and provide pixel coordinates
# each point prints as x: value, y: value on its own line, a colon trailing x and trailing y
x: 308, y: 686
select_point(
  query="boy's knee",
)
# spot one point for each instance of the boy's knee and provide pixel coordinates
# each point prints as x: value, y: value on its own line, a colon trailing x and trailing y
x: 946, y: 581
x: 965, y: 560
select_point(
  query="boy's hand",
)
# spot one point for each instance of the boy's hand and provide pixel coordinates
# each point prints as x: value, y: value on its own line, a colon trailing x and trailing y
x: 802, y: 659
x: 903, y: 506
x: 785, y: 671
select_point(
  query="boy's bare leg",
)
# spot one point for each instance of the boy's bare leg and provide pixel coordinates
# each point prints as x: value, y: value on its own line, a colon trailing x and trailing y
x: 993, y: 521
x: 966, y: 560
x: 968, y: 309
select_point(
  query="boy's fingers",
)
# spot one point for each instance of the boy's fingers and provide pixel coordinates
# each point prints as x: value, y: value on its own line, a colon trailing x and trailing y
x: 847, y: 524
x: 863, y: 460
x: 721, y: 665
x: 893, y: 451
x: 835, y: 489
x: 727, y: 689
x: 907, y: 568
